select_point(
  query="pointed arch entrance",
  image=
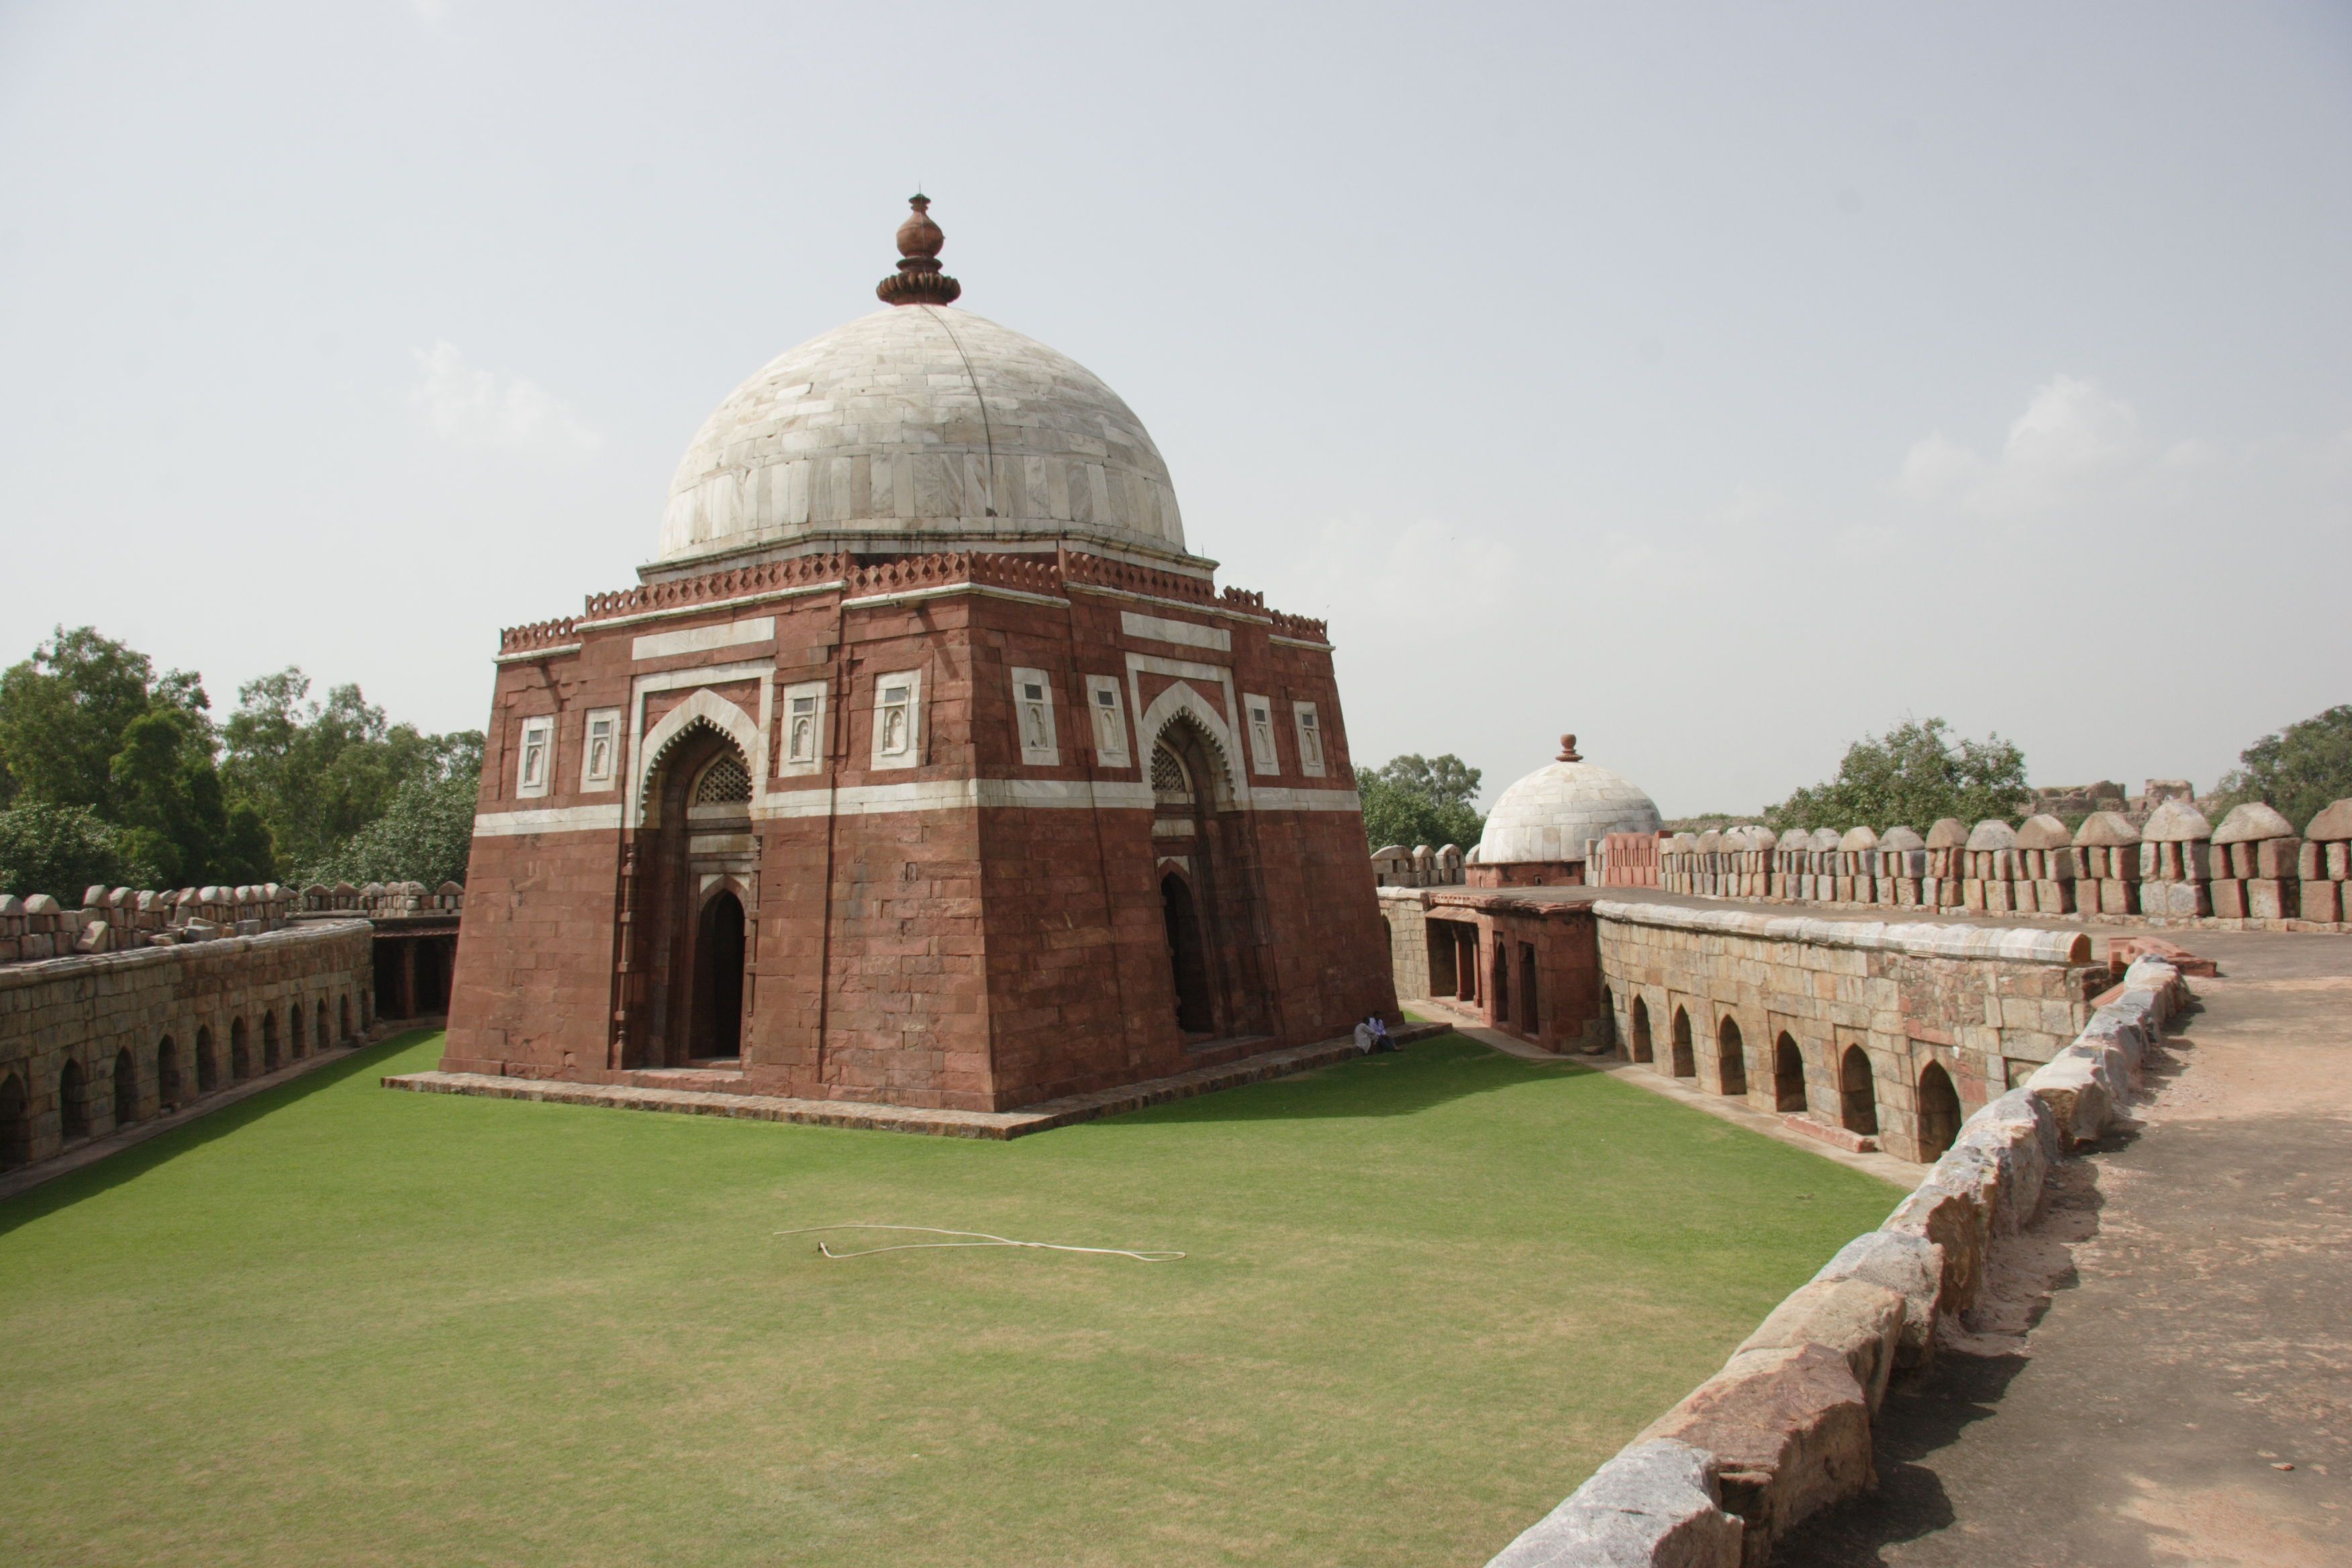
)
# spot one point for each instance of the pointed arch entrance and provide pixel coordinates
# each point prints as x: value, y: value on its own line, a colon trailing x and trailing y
x: 690, y: 881
x: 1196, y: 843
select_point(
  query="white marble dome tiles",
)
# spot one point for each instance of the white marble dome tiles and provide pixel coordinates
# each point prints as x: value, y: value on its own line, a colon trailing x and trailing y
x: 1549, y: 813
x: 887, y: 426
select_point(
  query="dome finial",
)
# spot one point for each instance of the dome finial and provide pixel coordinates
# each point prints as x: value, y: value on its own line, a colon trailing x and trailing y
x: 1567, y: 750
x: 919, y: 280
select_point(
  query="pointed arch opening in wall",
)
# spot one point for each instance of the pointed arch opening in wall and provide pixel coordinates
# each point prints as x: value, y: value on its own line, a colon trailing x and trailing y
x: 269, y: 1042
x: 126, y: 1087
x: 1187, y: 961
x: 16, y: 1124
x: 1502, y: 980
x: 207, y: 1061
x: 240, y: 1055
x: 297, y: 1042
x: 73, y: 1103
x: 1642, y: 1049
x: 1731, y: 1058
x: 1857, y: 1092
x: 693, y: 894
x: 1686, y: 1063
x: 718, y: 1018
x: 167, y: 1075
x: 1787, y: 1076
x: 318, y: 1024
x: 1940, y: 1111
x: 1531, y: 1015
x: 1217, y: 990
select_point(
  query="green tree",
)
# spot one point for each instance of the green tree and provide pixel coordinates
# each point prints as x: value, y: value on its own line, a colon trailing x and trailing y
x: 317, y: 774
x: 1913, y: 775
x: 426, y: 833
x: 87, y: 724
x: 2300, y: 770
x: 1413, y: 800
x: 62, y: 849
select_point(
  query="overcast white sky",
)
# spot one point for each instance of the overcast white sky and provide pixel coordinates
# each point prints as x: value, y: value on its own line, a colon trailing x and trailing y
x: 1717, y: 381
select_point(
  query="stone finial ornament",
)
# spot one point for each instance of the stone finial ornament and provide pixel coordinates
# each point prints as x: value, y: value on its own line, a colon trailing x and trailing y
x: 1568, y: 753
x: 919, y: 280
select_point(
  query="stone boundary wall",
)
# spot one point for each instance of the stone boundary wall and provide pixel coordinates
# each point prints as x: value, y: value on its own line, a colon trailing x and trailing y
x: 1898, y: 1030
x: 1784, y: 1429
x: 1420, y: 867
x: 38, y: 927
x: 2253, y: 871
x: 98, y: 1041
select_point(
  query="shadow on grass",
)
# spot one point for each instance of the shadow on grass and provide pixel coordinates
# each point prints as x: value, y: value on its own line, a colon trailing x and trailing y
x: 128, y: 1165
x: 1421, y: 1077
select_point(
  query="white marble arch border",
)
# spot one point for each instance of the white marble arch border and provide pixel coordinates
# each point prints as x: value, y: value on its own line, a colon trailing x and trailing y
x: 703, y: 707
x: 1231, y: 788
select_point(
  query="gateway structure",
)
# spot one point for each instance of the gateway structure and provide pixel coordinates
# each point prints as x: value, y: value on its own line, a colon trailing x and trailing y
x: 925, y: 764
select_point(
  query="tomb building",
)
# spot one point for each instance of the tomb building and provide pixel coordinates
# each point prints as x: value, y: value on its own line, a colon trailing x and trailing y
x: 1541, y: 831
x: 924, y: 764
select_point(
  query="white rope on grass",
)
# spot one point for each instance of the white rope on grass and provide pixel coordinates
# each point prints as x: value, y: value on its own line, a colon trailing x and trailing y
x: 977, y: 1238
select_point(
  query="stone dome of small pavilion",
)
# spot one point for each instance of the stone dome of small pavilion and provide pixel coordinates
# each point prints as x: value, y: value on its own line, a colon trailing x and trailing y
x: 920, y: 428
x: 1549, y: 813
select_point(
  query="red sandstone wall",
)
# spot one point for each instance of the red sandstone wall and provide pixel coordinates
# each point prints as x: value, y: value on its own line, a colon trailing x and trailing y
x: 949, y: 957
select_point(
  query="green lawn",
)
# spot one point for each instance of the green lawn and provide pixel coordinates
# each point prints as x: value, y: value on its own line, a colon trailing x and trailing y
x: 1423, y: 1295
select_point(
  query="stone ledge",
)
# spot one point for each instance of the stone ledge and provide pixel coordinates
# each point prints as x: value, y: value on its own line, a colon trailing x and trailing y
x: 1852, y: 1142
x: 1919, y: 939
x: 868, y: 1116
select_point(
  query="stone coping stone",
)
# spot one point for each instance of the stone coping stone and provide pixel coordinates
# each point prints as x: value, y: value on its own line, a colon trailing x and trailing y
x: 1920, y: 938
x: 48, y: 971
x: 1654, y: 1505
x: 869, y: 1116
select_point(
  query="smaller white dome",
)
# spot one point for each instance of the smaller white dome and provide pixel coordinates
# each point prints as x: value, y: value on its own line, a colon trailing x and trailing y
x: 1549, y: 813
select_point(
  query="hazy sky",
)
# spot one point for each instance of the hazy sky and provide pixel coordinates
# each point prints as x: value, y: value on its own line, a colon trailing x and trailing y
x: 1719, y: 383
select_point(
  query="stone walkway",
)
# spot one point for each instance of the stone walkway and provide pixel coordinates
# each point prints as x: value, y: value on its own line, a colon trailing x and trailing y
x: 2167, y: 1376
x: 862, y: 1114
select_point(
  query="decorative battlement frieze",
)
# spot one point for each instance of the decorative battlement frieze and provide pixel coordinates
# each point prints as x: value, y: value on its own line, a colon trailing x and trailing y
x: 1019, y: 572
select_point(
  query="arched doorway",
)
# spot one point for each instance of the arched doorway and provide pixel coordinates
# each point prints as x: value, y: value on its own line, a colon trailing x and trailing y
x: 126, y: 1088
x: 1787, y: 1076
x: 269, y: 1042
x: 167, y: 1075
x: 15, y: 1125
x: 1685, y: 1061
x: 1857, y: 1093
x: 295, y: 1044
x: 1940, y: 1111
x: 1731, y: 1058
x: 1188, y: 965
x: 1642, y: 1050
x: 1502, y: 983
x: 240, y: 1059
x: 73, y: 1108
x: 691, y: 994
x: 1531, y: 1015
x: 207, y: 1062
x: 319, y: 1031
x: 1196, y: 842
x: 717, y: 1018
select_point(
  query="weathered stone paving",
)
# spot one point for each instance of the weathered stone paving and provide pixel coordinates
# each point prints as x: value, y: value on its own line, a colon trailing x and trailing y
x: 2177, y: 1331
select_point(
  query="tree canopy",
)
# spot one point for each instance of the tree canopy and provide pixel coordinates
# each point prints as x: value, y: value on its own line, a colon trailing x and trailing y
x: 2300, y: 770
x: 114, y: 772
x: 1913, y: 775
x: 1413, y: 800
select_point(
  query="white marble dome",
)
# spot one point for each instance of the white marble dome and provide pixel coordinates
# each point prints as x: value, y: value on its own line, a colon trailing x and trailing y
x: 918, y: 427
x: 1549, y: 813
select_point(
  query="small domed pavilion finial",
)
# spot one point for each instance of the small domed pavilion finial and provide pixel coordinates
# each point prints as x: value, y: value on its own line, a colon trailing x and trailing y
x: 1567, y: 750
x: 919, y: 280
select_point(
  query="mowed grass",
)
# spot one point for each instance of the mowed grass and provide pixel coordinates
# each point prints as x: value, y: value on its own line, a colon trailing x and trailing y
x: 1423, y: 1295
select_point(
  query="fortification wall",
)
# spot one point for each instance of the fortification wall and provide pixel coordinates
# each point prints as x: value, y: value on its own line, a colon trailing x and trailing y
x: 95, y: 1041
x: 1784, y: 1429
x: 2253, y: 869
x: 1860, y: 1032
